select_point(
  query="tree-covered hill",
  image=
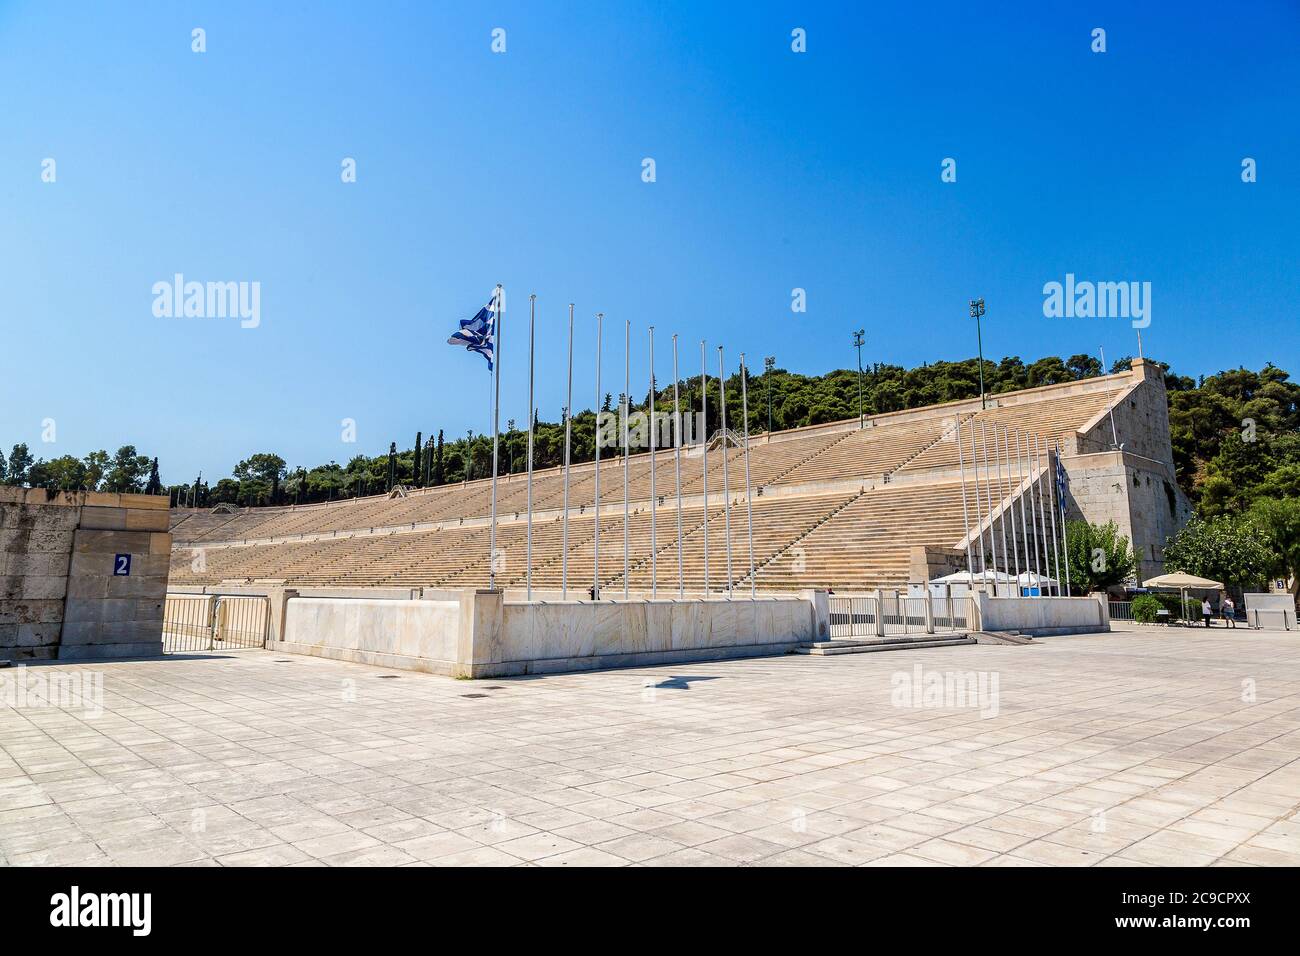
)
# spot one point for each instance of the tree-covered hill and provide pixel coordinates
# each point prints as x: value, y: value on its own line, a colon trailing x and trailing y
x: 1236, y: 435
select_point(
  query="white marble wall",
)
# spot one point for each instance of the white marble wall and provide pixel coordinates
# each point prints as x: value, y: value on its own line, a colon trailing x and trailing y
x: 420, y: 630
x: 573, y: 630
x: 1043, y: 615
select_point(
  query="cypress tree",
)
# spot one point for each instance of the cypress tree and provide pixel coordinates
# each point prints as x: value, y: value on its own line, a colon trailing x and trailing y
x: 439, y: 476
x: 154, y: 486
x: 392, y: 464
x: 415, y: 474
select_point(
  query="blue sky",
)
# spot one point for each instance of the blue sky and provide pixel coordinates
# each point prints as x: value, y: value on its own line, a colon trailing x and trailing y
x: 775, y: 170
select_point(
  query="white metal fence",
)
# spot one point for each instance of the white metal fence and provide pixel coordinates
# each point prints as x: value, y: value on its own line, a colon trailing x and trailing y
x: 214, y: 622
x: 868, y: 617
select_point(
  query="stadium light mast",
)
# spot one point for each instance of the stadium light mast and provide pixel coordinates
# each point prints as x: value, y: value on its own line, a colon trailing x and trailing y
x: 769, y: 363
x: 857, y: 341
x: 976, y: 311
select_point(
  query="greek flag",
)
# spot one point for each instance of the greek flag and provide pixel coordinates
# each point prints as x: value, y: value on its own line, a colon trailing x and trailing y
x: 479, y: 333
x: 1060, y: 480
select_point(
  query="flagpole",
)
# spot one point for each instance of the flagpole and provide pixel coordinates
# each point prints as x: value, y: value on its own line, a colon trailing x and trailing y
x: 496, y: 431
x: 1002, y: 499
x: 1033, y: 494
x: 1024, y: 521
x: 627, y: 448
x: 965, y: 512
x: 1011, y: 482
x: 1051, y: 486
x: 1060, y: 503
x: 568, y: 431
x: 749, y: 503
x: 677, y: 417
x: 532, y: 315
x: 595, y: 583
x: 1042, y: 518
x: 726, y: 484
x: 979, y: 517
x: 988, y: 501
x: 654, y: 500
x: 704, y: 425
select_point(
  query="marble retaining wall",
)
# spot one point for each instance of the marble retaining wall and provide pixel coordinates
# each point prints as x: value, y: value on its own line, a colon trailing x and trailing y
x: 476, y: 633
x: 1044, y: 616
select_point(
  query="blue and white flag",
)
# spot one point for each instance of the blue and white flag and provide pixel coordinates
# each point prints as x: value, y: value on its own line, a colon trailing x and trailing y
x: 479, y: 333
x: 1060, y: 480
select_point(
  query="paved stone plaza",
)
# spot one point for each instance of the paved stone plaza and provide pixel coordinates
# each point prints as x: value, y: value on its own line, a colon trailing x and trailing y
x: 1152, y: 748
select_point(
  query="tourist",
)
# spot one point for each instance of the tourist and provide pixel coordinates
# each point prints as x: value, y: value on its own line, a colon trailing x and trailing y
x: 1207, y: 612
x: 1229, y: 611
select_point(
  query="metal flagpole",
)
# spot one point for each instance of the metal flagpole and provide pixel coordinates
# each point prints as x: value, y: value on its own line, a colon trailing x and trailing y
x: 496, y: 430
x: 1060, y: 503
x: 595, y: 584
x: 988, y: 500
x: 726, y: 484
x: 627, y: 448
x: 1024, y: 521
x: 568, y: 433
x: 1042, y: 515
x: 965, y: 512
x: 1011, y: 486
x: 532, y: 315
x: 704, y: 426
x: 1034, y: 494
x: 1051, y: 491
x: 677, y: 433
x: 979, y: 517
x: 749, y: 503
x: 654, y: 500
x: 1002, y: 501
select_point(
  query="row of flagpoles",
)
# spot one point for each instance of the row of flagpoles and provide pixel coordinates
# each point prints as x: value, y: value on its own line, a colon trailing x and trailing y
x: 482, y: 334
x: 1018, y: 460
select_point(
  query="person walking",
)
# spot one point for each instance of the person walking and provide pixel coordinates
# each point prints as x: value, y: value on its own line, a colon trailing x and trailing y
x: 1207, y: 612
x: 1229, y: 611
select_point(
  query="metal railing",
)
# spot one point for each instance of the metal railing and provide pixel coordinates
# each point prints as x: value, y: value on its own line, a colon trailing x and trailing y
x: 1121, y: 610
x: 864, y: 617
x: 215, y: 622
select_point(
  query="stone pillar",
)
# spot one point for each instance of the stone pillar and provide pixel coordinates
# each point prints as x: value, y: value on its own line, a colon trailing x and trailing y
x: 478, y: 643
x: 820, y: 605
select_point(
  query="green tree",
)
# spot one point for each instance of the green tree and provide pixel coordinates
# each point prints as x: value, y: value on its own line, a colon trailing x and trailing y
x: 97, y: 465
x: 20, y: 459
x: 154, y: 485
x: 1279, y: 520
x: 1097, y: 556
x: 65, y: 473
x: 1232, y: 549
x: 127, y: 471
x: 439, y: 473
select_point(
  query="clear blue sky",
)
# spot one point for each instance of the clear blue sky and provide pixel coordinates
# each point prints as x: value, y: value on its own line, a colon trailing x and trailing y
x: 775, y: 170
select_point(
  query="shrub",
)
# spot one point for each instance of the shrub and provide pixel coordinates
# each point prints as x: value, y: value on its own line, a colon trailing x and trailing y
x: 1144, y: 609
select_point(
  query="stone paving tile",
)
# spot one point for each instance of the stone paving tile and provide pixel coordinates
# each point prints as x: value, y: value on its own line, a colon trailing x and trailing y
x: 1122, y: 749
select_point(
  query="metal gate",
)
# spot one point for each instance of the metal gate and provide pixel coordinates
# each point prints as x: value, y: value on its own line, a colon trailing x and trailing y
x: 866, y: 617
x: 215, y: 622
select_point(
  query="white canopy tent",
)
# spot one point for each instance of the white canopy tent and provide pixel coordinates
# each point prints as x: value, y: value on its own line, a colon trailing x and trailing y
x: 1182, y: 583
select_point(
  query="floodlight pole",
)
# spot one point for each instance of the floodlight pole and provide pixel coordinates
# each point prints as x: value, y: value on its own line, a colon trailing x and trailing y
x: 769, y: 363
x: 857, y: 341
x: 976, y: 311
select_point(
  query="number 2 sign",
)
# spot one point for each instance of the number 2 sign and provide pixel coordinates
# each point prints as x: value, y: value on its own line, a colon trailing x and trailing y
x: 121, y: 565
